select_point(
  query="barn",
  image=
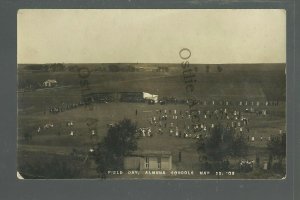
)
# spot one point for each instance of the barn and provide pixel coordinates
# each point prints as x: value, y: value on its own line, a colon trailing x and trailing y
x: 148, y: 160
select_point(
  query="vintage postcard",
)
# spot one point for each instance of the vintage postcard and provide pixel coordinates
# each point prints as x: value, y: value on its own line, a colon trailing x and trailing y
x: 151, y: 94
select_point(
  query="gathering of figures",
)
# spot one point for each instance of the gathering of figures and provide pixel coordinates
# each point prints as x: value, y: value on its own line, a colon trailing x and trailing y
x: 249, y: 104
x: 178, y: 123
x: 69, y: 125
x: 233, y: 115
x: 64, y: 107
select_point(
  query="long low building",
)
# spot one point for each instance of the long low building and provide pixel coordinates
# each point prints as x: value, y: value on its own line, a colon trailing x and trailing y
x: 148, y: 160
x: 120, y: 96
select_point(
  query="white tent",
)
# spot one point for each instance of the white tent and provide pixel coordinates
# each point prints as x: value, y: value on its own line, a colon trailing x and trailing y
x: 149, y: 96
x: 19, y: 176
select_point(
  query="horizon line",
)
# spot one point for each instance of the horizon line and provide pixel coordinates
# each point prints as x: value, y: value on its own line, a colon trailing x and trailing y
x: 69, y: 63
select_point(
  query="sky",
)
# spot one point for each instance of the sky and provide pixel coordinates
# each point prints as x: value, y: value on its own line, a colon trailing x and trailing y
x: 213, y: 36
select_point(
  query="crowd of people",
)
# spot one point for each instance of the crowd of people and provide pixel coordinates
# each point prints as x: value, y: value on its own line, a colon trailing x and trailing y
x: 178, y: 122
x: 64, y: 107
x: 234, y: 115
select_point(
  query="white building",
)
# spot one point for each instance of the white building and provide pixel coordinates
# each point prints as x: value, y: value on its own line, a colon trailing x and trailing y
x: 149, y: 160
x: 50, y: 83
x: 149, y: 96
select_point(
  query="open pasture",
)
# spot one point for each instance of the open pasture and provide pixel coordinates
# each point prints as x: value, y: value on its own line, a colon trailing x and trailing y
x: 57, y: 140
x: 232, y: 85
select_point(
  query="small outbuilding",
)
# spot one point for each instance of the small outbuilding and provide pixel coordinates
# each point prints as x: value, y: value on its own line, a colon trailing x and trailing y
x: 148, y: 160
x: 50, y: 83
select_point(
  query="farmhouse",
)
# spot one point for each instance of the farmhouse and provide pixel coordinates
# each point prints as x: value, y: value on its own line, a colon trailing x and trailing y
x: 148, y: 160
x: 50, y: 83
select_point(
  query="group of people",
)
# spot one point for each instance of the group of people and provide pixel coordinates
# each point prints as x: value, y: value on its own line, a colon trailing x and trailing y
x: 65, y: 107
x: 178, y: 123
x: 173, y: 100
x: 69, y: 125
x: 45, y: 126
x: 246, y: 165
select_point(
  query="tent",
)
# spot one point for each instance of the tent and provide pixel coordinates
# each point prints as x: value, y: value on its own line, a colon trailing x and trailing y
x: 149, y: 96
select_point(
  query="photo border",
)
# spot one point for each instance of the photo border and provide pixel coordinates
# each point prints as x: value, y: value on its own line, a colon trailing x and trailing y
x: 12, y: 188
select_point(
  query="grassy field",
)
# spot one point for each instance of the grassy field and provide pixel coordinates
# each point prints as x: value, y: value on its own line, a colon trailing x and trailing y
x: 236, y: 83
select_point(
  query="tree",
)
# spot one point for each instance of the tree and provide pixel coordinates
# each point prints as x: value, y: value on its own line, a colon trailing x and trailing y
x: 277, y: 149
x: 219, y: 68
x: 27, y: 136
x: 114, y: 68
x: 239, y: 146
x: 196, y: 69
x: 207, y: 68
x: 221, y: 144
x: 277, y: 146
x: 56, y: 67
x: 52, y: 167
x: 119, y: 142
x: 36, y: 67
x: 105, y: 160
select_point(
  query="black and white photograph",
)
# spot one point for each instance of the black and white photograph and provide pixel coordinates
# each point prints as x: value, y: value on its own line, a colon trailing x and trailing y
x: 151, y: 94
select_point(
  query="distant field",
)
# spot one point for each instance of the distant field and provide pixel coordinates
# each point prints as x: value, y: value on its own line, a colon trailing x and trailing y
x: 243, y: 82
